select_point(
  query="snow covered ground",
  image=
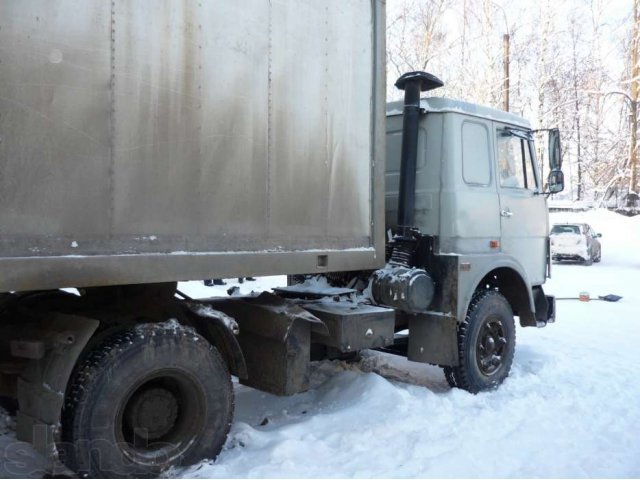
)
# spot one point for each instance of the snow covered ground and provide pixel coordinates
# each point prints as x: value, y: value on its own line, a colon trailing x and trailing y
x: 571, y: 407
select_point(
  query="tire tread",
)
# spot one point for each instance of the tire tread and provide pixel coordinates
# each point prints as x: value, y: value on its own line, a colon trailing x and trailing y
x: 81, y: 388
x: 459, y: 376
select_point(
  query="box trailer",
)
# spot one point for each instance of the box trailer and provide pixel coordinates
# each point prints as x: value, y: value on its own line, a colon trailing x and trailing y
x: 147, y: 141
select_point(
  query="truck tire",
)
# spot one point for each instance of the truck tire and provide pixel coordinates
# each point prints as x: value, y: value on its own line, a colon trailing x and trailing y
x: 146, y: 399
x: 486, y: 344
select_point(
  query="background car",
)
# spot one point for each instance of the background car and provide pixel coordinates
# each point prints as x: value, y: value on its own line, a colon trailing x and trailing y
x: 576, y: 242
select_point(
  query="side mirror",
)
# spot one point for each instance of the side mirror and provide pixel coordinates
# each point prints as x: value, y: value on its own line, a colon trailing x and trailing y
x: 556, y: 181
x: 555, y: 150
x: 599, y: 235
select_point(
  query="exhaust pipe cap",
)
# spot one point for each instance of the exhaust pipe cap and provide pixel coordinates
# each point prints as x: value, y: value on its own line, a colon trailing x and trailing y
x: 427, y: 81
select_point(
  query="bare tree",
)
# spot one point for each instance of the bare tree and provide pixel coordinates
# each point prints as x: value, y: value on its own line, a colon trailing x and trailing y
x: 564, y: 55
x: 634, y: 87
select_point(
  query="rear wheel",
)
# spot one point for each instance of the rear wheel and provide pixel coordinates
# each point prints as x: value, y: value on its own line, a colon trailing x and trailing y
x: 486, y: 344
x: 144, y: 400
x: 599, y: 257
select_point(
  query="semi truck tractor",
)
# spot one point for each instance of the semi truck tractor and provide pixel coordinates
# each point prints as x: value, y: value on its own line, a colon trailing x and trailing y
x: 148, y: 142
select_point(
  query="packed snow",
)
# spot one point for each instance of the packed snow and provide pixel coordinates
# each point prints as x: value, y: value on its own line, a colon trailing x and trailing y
x: 569, y: 408
x: 18, y: 459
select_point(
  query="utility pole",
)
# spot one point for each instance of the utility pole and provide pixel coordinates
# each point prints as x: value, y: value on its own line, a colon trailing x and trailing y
x: 576, y: 98
x: 635, y: 90
x: 505, y: 84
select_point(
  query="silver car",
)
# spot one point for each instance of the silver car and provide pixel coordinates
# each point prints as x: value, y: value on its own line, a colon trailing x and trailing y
x: 576, y: 242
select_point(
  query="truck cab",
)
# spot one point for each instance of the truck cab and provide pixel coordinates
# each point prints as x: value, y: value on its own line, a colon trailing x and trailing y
x: 467, y: 233
x: 478, y: 187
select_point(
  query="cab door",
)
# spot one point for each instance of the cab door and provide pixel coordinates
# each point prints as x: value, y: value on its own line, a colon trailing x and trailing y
x: 523, y: 212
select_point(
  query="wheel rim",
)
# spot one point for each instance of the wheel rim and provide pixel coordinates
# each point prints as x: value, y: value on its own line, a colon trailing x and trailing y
x: 160, y: 418
x: 491, y: 346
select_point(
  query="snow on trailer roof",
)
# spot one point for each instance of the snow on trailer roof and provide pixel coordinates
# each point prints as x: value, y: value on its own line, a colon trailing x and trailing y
x: 442, y: 105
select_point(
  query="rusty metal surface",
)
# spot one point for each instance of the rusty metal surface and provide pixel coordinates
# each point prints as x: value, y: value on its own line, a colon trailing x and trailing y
x: 42, y: 384
x: 433, y: 339
x: 353, y: 327
x: 135, y: 129
x: 275, y: 337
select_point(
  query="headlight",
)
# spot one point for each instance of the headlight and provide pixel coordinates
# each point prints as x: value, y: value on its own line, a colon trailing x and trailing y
x: 579, y: 241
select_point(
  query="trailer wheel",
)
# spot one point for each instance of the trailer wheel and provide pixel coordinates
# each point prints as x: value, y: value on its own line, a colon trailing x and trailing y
x: 144, y: 400
x: 486, y: 344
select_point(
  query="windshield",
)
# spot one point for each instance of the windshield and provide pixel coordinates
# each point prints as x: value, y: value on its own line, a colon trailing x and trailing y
x: 558, y: 229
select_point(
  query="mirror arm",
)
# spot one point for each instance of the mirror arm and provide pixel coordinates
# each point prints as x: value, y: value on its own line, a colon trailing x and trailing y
x: 542, y: 130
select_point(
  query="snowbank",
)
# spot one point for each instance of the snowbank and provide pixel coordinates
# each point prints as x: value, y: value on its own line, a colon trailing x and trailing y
x: 561, y: 413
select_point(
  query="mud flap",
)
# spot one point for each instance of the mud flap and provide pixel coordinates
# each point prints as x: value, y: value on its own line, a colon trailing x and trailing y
x: 551, y: 308
x: 275, y: 337
x: 433, y: 339
x: 545, y: 307
x: 42, y: 384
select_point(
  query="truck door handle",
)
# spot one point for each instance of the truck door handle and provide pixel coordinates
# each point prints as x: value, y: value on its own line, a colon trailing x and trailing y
x: 506, y: 213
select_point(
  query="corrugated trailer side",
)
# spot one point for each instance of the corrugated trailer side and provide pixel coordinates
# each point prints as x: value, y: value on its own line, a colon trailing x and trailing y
x: 149, y: 141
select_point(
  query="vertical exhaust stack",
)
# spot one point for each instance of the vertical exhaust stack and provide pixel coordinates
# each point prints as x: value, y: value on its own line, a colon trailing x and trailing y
x: 400, y: 284
x: 412, y: 83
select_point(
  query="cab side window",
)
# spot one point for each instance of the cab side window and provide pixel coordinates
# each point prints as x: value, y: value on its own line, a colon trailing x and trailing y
x: 515, y: 165
x: 476, y: 163
x: 528, y: 165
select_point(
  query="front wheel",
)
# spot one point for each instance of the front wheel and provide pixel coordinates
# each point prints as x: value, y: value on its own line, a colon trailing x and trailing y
x: 144, y: 400
x: 486, y: 344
